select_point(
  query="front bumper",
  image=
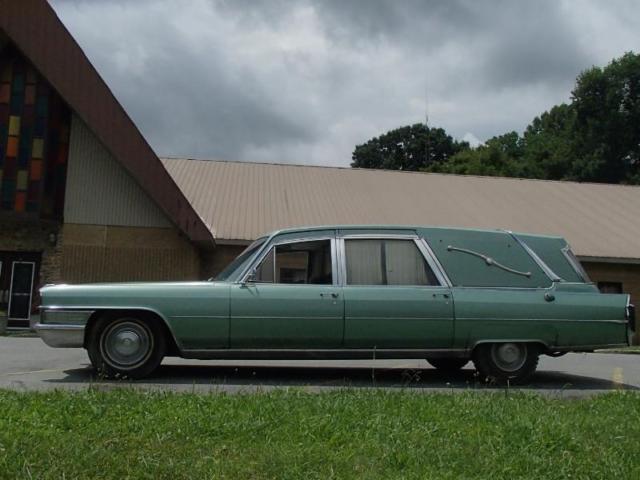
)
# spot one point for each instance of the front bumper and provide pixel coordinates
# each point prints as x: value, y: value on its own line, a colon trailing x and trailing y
x: 61, y: 336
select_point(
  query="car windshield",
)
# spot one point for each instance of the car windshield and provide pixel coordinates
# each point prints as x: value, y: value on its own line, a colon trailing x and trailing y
x: 240, y: 262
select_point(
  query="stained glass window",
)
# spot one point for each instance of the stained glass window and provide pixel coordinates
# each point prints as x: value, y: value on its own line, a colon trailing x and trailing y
x: 34, y: 136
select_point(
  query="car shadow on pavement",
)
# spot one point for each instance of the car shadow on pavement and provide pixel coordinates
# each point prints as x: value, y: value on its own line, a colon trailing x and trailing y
x: 255, y: 377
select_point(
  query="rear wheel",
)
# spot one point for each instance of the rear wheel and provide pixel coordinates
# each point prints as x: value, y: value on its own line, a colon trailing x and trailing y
x: 507, y: 362
x: 126, y: 345
x: 448, y: 364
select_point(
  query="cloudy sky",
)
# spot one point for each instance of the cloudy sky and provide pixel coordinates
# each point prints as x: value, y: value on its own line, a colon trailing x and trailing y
x: 305, y: 81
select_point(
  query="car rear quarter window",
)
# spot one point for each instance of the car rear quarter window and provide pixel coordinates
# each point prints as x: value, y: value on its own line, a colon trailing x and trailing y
x: 550, y: 250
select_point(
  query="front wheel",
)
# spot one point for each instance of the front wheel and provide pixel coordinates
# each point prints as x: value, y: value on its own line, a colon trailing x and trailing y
x: 507, y: 362
x: 126, y: 345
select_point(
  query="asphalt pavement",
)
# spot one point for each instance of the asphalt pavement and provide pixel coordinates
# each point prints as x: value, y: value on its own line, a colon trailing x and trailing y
x: 28, y: 364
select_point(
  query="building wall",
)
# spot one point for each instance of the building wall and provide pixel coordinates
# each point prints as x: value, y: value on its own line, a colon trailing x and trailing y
x: 214, y: 261
x: 97, y: 253
x: 31, y: 237
x: 113, y: 231
x: 100, y: 191
x: 626, y: 273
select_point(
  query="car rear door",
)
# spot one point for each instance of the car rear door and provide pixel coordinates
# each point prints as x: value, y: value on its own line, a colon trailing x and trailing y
x: 394, y: 299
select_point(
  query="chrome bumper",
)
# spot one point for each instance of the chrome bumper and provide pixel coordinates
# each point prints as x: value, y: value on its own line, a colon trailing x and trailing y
x: 61, y: 336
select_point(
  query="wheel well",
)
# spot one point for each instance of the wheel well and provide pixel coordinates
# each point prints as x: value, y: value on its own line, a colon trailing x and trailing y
x: 172, y: 347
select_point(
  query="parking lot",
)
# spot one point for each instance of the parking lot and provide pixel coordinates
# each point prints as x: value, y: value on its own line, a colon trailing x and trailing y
x: 27, y: 364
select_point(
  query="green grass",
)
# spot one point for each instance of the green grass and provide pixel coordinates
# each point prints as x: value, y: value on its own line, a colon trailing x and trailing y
x: 340, y: 434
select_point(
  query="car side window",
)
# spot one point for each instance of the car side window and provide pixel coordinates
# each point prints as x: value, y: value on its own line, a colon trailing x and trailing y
x: 297, y: 263
x: 386, y: 262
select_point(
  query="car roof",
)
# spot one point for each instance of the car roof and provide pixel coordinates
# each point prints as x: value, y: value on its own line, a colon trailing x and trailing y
x: 312, y: 228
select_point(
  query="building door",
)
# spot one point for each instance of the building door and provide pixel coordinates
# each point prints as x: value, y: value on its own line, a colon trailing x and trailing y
x: 21, y: 290
x: 18, y: 280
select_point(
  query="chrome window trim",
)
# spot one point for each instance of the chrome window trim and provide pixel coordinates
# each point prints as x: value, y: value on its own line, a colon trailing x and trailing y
x: 495, y: 287
x: 33, y: 273
x: 534, y: 256
x: 340, y: 262
x: 420, y: 243
x: 433, y: 262
x: 263, y: 253
x: 399, y: 236
x: 265, y: 239
x: 258, y: 254
x: 575, y: 263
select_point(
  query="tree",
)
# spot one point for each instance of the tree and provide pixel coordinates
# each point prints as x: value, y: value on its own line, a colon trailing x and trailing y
x: 548, y: 146
x: 607, y: 124
x: 594, y: 138
x: 498, y: 157
x: 413, y: 147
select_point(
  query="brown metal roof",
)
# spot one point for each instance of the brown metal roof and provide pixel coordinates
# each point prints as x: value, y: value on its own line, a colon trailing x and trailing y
x: 241, y: 201
x: 35, y: 29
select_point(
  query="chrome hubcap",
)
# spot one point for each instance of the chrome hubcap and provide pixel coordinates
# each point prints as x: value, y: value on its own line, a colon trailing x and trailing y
x: 509, y: 357
x: 126, y: 344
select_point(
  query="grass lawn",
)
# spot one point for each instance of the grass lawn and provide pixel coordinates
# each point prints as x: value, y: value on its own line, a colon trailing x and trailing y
x: 340, y: 434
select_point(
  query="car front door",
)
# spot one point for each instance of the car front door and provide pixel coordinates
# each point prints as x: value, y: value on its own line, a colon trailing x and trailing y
x: 291, y: 298
x: 393, y: 298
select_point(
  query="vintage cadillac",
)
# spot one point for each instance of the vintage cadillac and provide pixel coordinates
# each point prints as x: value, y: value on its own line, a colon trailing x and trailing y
x: 447, y: 295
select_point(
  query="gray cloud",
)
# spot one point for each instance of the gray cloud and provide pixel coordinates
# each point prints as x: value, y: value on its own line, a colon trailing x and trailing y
x: 305, y: 81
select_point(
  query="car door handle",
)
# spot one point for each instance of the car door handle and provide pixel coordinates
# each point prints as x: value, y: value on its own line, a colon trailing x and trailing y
x: 444, y: 295
x: 327, y: 295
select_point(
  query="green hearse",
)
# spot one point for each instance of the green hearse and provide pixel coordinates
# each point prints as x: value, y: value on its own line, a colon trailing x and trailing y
x: 448, y: 295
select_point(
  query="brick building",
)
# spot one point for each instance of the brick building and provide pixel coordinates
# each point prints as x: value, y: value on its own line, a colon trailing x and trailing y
x: 83, y: 198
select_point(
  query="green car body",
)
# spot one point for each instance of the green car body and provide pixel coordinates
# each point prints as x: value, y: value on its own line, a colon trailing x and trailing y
x: 357, y: 292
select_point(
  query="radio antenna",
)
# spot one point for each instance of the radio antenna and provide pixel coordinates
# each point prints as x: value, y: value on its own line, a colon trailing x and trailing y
x: 427, y: 145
